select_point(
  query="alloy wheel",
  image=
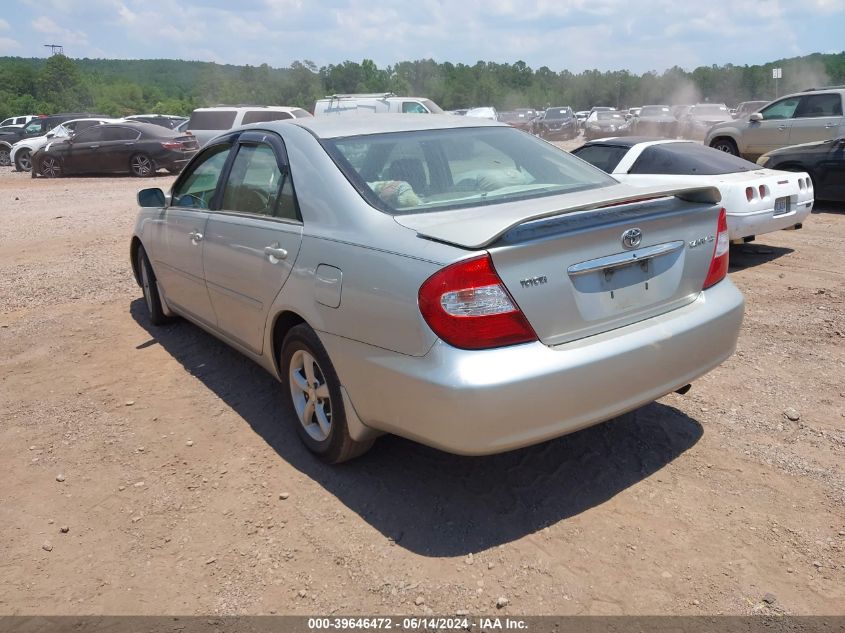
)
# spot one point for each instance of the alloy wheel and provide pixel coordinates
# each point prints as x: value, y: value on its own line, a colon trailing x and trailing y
x: 23, y: 160
x: 310, y: 394
x: 141, y: 165
x: 5, y: 161
x: 51, y: 167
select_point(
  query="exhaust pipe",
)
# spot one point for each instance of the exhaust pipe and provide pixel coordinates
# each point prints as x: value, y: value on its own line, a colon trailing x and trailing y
x: 683, y: 389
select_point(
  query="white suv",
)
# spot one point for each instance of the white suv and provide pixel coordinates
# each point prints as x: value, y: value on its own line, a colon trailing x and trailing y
x: 206, y: 123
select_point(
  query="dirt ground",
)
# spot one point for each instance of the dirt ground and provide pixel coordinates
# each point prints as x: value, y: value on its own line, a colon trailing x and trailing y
x: 143, y: 470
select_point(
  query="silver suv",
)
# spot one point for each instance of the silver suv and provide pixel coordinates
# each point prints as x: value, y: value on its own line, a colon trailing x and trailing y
x: 804, y: 117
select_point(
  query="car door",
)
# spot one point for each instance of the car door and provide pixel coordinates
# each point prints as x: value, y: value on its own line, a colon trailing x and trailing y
x: 817, y: 118
x: 253, y: 238
x: 119, y: 144
x: 772, y: 132
x: 82, y: 151
x: 830, y: 174
x: 179, y: 234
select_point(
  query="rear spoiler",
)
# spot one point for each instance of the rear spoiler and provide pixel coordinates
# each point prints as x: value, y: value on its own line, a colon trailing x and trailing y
x: 478, y: 227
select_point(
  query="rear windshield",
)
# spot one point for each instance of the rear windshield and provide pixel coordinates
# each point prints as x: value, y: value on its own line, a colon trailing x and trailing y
x: 708, y: 110
x: 655, y: 111
x: 605, y: 157
x: 688, y: 159
x: 432, y: 107
x: 433, y: 170
x: 212, y: 120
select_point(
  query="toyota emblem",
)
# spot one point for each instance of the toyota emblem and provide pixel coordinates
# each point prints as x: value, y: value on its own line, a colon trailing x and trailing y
x: 632, y: 238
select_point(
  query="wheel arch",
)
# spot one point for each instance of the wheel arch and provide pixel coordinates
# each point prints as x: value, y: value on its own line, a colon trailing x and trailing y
x: 134, y: 245
x: 282, y: 324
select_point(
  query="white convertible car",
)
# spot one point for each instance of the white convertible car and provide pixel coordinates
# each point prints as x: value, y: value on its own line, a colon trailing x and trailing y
x: 757, y: 200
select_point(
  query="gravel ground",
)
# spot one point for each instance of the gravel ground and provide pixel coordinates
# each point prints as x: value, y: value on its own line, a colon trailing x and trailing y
x: 146, y: 470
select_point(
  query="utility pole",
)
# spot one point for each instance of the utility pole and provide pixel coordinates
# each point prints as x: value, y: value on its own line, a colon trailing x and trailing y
x: 55, y: 49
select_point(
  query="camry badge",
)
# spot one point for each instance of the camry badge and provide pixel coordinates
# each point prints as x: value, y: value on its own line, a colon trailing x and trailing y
x: 632, y: 238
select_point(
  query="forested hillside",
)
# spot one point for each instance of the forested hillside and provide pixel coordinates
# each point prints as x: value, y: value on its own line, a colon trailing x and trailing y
x: 121, y: 87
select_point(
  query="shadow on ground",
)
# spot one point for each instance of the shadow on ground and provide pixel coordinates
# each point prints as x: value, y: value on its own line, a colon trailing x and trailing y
x: 754, y: 254
x: 434, y: 503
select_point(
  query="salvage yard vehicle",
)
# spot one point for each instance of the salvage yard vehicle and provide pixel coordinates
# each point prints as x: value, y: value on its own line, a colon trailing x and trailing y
x: 450, y: 280
x: 206, y: 123
x: 520, y: 119
x: 558, y: 124
x: 804, y: 117
x: 655, y: 120
x: 23, y: 149
x: 377, y: 103
x: 747, y: 108
x: 18, y: 121
x: 757, y: 200
x: 140, y: 149
x: 604, y: 123
x: 698, y: 120
x: 170, y: 121
x: 39, y: 126
x: 824, y: 161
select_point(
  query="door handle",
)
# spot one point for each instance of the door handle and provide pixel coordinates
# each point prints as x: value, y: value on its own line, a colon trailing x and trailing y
x: 830, y: 125
x: 781, y: 127
x: 94, y: 146
x: 195, y: 236
x: 275, y: 251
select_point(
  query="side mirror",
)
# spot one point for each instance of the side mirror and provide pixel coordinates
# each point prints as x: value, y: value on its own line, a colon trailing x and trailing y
x: 756, y: 117
x: 151, y: 198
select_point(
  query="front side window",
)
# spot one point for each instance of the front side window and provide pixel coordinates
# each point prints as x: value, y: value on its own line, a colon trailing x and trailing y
x: 432, y: 170
x: 413, y: 107
x: 783, y: 109
x: 196, y: 188
x: 33, y: 128
x: 819, y: 106
x: 91, y: 135
x: 254, y: 182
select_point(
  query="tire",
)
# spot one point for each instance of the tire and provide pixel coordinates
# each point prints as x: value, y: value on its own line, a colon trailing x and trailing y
x: 725, y: 145
x: 50, y: 167
x: 23, y: 160
x: 5, y: 160
x: 322, y: 425
x: 142, y: 166
x: 147, y: 277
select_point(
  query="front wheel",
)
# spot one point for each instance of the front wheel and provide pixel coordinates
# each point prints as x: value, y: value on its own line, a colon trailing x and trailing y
x: 5, y: 159
x: 23, y: 160
x: 150, y: 289
x: 51, y: 167
x: 313, y: 399
x: 725, y: 145
x: 142, y: 166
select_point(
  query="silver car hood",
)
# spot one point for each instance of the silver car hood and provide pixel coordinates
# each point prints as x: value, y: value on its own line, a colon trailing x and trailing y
x: 478, y: 227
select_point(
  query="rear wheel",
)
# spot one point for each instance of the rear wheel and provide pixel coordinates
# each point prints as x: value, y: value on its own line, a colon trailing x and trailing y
x: 51, y: 167
x: 725, y: 145
x: 142, y: 166
x: 23, y: 160
x: 313, y: 398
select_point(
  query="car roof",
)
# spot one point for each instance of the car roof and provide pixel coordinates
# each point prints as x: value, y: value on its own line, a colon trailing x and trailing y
x: 149, y: 128
x: 248, y: 107
x: 357, y: 125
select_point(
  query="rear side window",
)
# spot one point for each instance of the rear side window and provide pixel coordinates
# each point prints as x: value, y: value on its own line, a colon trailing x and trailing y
x: 819, y: 106
x: 605, y: 157
x: 120, y: 134
x: 260, y: 116
x: 212, y: 120
x: 676, y: 159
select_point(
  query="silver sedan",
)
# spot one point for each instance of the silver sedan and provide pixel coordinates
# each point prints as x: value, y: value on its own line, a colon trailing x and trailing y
x: 454, y: 281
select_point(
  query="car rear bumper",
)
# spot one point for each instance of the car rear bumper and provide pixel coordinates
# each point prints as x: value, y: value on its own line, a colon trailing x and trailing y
x: 482, y: 402
x: 742, y: 225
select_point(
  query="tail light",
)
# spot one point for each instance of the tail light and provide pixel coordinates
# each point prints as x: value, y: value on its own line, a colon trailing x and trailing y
x: 763, y: 191
x: 171, y: 145
x: 467, y: 305
x: 719, y: 261
x: 749, y: 193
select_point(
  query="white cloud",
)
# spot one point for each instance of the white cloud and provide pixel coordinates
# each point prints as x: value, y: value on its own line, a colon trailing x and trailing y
x: 8, y: 46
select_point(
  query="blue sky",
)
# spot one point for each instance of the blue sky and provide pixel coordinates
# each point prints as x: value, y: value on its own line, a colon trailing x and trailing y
x: 638, y: 35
